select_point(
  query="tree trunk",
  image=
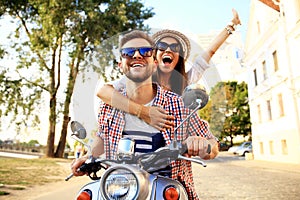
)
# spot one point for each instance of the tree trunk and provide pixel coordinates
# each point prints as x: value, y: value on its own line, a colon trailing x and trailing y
x: 63, y: 137
x: 231, y: 140
x: 51, y: 132
x: 70, y: 89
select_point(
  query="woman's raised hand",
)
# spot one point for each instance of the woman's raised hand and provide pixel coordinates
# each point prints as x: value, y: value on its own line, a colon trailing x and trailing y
x: 236, y: 20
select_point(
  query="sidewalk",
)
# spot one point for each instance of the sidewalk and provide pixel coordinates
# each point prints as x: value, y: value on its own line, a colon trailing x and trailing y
x: 288, y: 167
x: 18, y: 155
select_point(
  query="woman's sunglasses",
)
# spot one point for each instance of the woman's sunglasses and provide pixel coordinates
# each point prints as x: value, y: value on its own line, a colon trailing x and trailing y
x: 175, y: 47
x: 129, y: 52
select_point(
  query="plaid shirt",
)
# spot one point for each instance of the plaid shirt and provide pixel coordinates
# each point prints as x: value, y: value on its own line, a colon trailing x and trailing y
x: 111, y: 124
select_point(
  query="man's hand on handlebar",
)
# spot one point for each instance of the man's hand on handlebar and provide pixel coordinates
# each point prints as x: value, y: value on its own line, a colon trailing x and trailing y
x: 198, y: 146
x: 76, y: 164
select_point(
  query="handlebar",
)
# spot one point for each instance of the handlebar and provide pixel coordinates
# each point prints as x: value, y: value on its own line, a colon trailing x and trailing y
x: 150, y: 162
x: 69, y: 177
x: 162, y: 157
x: 91, y: 167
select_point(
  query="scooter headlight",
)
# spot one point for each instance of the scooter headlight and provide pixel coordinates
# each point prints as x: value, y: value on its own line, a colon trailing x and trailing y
x: 121, y: 184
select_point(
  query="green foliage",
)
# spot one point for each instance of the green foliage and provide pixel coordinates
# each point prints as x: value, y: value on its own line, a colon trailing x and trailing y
x: 2, y: 52
x: 33, y: 142
x: 16, y: 99
x: 228, y: 110
x: 56, y: 36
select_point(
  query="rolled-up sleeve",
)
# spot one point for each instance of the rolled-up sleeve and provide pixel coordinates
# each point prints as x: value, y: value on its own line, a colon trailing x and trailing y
x: 197, y: 70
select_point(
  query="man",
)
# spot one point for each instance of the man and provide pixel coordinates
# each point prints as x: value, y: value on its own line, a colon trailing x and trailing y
x: 138, y: 64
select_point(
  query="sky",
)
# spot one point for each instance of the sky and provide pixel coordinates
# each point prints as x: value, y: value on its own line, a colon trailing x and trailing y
x: 197, y: 16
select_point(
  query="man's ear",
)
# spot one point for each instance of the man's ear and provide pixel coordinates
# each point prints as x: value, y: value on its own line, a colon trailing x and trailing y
x: 120, y: 66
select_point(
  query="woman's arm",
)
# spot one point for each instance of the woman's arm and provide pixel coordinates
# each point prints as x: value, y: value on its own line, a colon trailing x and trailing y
x: 202, y: 61
x: 221, y: 38
x: 155, y: 116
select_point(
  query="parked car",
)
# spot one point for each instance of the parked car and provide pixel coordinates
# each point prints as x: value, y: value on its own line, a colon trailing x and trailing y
x: 235, y: 149
x: 223, y: 146
x: 243, y: 150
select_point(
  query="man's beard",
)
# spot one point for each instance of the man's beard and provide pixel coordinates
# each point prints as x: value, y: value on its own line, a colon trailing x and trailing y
x: 139, y: 79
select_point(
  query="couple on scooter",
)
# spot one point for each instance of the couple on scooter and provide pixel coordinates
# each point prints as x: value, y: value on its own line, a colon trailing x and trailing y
x: 138, y: 63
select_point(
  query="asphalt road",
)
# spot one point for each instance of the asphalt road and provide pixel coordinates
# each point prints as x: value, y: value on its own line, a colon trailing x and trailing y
x: 232, y: 177
x: 227, y: 177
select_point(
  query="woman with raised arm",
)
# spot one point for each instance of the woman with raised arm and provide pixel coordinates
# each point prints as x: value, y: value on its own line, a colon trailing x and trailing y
x: 173, y: 49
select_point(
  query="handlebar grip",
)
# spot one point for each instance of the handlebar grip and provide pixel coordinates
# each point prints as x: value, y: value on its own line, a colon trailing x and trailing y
x: 184, y: 149
x: 69, y: 177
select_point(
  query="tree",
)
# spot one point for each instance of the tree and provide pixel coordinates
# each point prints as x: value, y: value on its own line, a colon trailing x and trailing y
x: 33, y: 143
x: 60, y: 35
x: 228, y: 111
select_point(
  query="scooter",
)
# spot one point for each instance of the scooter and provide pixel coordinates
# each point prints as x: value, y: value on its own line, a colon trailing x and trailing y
x: 133, y: 177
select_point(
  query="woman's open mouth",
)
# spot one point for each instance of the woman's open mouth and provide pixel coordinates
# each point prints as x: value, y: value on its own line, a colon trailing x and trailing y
x: 167, y: 59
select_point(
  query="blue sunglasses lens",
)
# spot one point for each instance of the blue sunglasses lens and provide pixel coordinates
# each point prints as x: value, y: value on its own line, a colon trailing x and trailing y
x: 146, y: 51
x: 175, y: 47
x: 127, y: 52
x: 143, y: 51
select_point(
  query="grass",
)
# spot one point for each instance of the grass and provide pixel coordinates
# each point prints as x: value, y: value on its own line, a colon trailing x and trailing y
x: 18, y: 174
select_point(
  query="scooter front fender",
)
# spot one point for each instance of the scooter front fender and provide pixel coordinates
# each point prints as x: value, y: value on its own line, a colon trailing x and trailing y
x: 93, y: 188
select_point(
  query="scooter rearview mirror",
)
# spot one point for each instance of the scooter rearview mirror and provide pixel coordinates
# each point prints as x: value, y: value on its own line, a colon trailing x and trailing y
x: 78, y: 130
x: 193, y: 95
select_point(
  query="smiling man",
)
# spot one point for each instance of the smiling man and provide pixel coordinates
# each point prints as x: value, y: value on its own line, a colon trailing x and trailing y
x: 138, y: 63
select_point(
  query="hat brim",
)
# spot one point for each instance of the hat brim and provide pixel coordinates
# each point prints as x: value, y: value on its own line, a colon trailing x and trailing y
x: 181, y: 38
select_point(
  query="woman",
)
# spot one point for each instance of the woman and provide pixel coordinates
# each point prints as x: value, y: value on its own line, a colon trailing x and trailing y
x: 173, y: 49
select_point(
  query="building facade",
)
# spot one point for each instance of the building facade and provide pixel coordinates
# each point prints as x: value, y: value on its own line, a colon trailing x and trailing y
x: 272, y: 56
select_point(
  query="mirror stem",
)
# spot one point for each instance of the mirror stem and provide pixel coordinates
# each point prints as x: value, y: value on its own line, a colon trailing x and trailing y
x: 81, y: 142
x: 188, y: 117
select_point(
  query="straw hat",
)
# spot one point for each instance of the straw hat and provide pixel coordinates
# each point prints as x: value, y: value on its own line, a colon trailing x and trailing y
x: 182, y: 39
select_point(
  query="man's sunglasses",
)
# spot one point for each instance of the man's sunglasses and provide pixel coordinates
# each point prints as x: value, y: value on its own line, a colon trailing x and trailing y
x: 175, y: 47
x: 130, y: 51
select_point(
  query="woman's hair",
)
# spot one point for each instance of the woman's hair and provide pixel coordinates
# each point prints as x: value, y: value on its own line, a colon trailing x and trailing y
x: 178, y: 79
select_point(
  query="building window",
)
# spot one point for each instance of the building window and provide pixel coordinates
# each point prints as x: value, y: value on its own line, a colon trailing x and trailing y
x: 258, y: 27
x: 284, y: 147
x: 280, y: 102
x: 255, y: 77
x: 269, y: 110
x: 259, y: 113
x: 264, y: 66
x: 261, y: 148
x: 271, y: 147
x: 275, y: 60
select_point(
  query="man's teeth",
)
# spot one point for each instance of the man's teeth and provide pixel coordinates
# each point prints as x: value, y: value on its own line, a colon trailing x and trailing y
x: 167, y: 57
x: 137, y: 65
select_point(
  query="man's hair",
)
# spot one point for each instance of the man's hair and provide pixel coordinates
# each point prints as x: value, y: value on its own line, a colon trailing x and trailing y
x: 133, y: 35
